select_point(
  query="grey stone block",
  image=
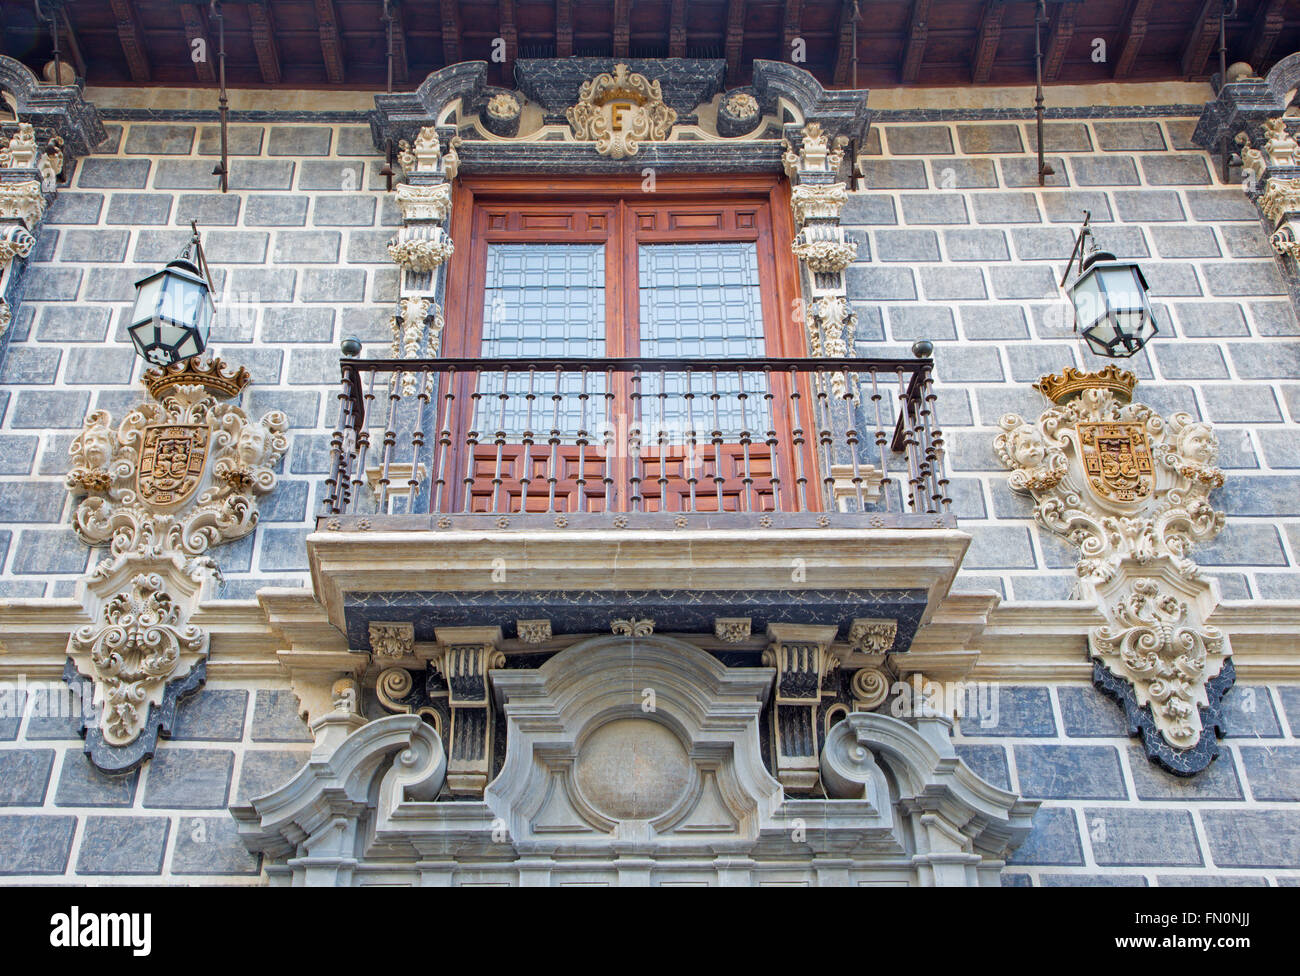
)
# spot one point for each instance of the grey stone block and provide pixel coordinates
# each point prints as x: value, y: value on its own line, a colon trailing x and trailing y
x: 1241, y: 404
x: 1278, y: 586
x: 241, y: 140
x: 1272, y: 771
x: 355, y: 140
x: 1187, y: 361
x: 1292, y: 394
x: 24, y: 776
x: 1272, y: 495
x: 911, y: 322
x: 866, y: 208
x: 159, y: 246
x: 1185, y: 242
x: 865, y: 283
x: 35, y: 844
x: 1067, y: 206
x: 346, y: 211
x: 918, y: 140
x: 275, y: 717
x: 1104, y: 170
x: 1266, y: 360
x: 999, y: 547
x: 208, y: 209
x: 1005, y: 208
x: 313, y: 366
x: 1059, y: 137
x: 187, y: 174
x: 296, y: 324
x: 307, y: 247
x: 1243, y: 278
x: 138, y: 208
x: 74, y: 208
x: 969, y: 244
x: 332, y: 285
x: 933, y: 208
x: 1281, y: 447
x: 1175, y: 170
x: 1086, y: 713
x: 907, y: 245
x: 321, y: 175
x: 211, y: 846
x: 1022, y: 710
x: 17, y: 453
x: 112, y: 140
x: 1092, y: 881
x: 945, y: 283
x: 1167, y: 279
x: 987, y: 762
x: 113, y: 284
x: 993, y: 403
x: 390, y: 215
x: 188, y: 779
x: 972, y: 582
x: 1215, y: 880
x: 1230, y: 204
x: 97, y: 172
x: 1123, y: 242
x: 13, y: 699
x: 1057, y: 772
x: 1010, y: 282
x: 1121, y: 136
x: 299, y: 140
x: 1180, y: 133
x: 1274, y: 319
x: 1009, y: 880
x: 371, y: 246
x: 1242, y: 543
x: 893, y: 174
x: 265, y: 770
x: 370, y: 324
x: 1043, y: 586
x: 1289, y: 696
x: 995, y: 138
x: 383, y: 285
x: 123, y: 845
x: 993, y: 322
x: 49, y: 408
x: 1018, y: 171
x: 260, y: 174
x: 967, y: 496
x: 30, y: 365
x: 1245, y: 241
x: 1149, y: 206
x: 1042, y: 243
x: 50, y: 284
x: 1232, y: 586
x: 977, y: 365
x: 1253, y: 838
x: 1218, y: 782
x: 82, y: 785
x: 213, y: 715
x: 236, y: 246
x: 284, y: 550
x: 309, y: 454
x: 270, y: 210
x: 1053, y: 840
x: 263, y: 284
x: 100, y: 246
x: 159, y: 140
x: 31, y: 501
x: 959, y: 174
x: 1199, y: 320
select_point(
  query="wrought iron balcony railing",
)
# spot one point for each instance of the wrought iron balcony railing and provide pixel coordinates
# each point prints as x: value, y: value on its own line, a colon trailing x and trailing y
x: 563, y: 437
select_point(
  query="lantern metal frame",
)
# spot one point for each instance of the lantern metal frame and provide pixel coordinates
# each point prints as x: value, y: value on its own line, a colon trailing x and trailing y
x: 192, y: 265
x: 1092, y: 259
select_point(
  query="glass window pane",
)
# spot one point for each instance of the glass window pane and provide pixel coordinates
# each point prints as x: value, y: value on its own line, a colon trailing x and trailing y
x: 702, y: 302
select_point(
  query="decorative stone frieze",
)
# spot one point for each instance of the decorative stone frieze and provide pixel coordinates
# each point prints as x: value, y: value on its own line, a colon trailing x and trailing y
x: 1131, y: 491
x: 392, y: 640
x: 180, y: 474
x: 620, y: 110
x: 533, y: 631
x: 873, y: 636
x: 732, y: 630
x: 633, y: 627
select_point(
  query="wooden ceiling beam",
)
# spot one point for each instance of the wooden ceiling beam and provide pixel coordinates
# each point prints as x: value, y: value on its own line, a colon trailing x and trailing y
x: 734, y: 42
x: 622, y: 27
x: 1269, y: 21
x: 986, y: 44
x: 677, y: 29
x: 268, y: 52
x: 1058, y: 41
x: 790, y: 25
x: 563, y: 28
x: 1135, y: 32
x: 844, y: 49
x: 74, y: 46
x: 918, y: 30
x: 196, y: 30
x: 401, y: 62
x: 331, y: 43
x: 450, y: 32
x: 1201, y: 41
x: 132, y: 40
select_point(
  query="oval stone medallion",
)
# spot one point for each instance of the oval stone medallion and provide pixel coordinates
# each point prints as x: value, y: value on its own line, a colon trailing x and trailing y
x: 632, y: 769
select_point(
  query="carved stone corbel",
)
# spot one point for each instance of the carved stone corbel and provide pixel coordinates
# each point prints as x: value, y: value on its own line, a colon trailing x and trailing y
x: 463, y: 660
x: 1131, y: 491
x: 801, y: 655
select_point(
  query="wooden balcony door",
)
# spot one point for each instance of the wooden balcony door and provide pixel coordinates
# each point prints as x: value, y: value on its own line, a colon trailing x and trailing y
x: 599, y: 270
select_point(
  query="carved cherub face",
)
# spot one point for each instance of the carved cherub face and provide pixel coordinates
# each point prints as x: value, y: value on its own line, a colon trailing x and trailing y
x: 97, y: 446
x: 252, y: 444
x: 1028, y: 449
x: 1197, y: 443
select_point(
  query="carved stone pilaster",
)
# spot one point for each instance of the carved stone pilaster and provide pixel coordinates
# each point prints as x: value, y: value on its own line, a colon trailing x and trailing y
x: 801, y: 655
x: 463, y: 661
x: 1131, y: 490
x: 28, y: 175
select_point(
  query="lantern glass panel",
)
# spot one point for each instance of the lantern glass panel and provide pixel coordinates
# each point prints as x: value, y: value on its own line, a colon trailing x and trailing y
x: 146, y: 298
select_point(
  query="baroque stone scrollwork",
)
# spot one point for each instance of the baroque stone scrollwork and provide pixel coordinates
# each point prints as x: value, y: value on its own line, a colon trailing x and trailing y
x: 180, y: 474
x: 395, y: 639
x: 1131, y: 491
x: 620, y: 110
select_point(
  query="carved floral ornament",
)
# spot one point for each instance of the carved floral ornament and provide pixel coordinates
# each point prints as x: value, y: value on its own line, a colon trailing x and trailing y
x: 620, y: 110
x: 178, y: 475
x: 1131, y: 491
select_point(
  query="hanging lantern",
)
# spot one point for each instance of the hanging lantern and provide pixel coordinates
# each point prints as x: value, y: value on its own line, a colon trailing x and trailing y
x: 174, y: 308
x: 1111, y: 308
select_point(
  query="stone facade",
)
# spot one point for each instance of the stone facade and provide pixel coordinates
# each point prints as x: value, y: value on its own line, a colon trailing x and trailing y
x: 956, y: 244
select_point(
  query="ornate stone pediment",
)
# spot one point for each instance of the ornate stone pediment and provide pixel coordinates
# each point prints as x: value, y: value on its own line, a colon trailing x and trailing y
x: 1131, y: 491
x: 620, y: 110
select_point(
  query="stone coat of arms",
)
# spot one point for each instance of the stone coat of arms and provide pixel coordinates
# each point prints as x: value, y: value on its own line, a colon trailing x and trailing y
x: 181, y: 472
x: 619, y: 111
x: 1131, y: 491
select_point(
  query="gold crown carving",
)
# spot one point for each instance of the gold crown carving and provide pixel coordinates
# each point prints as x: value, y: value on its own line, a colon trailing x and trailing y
x: 213, y: 376
x: 1073, y: 382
